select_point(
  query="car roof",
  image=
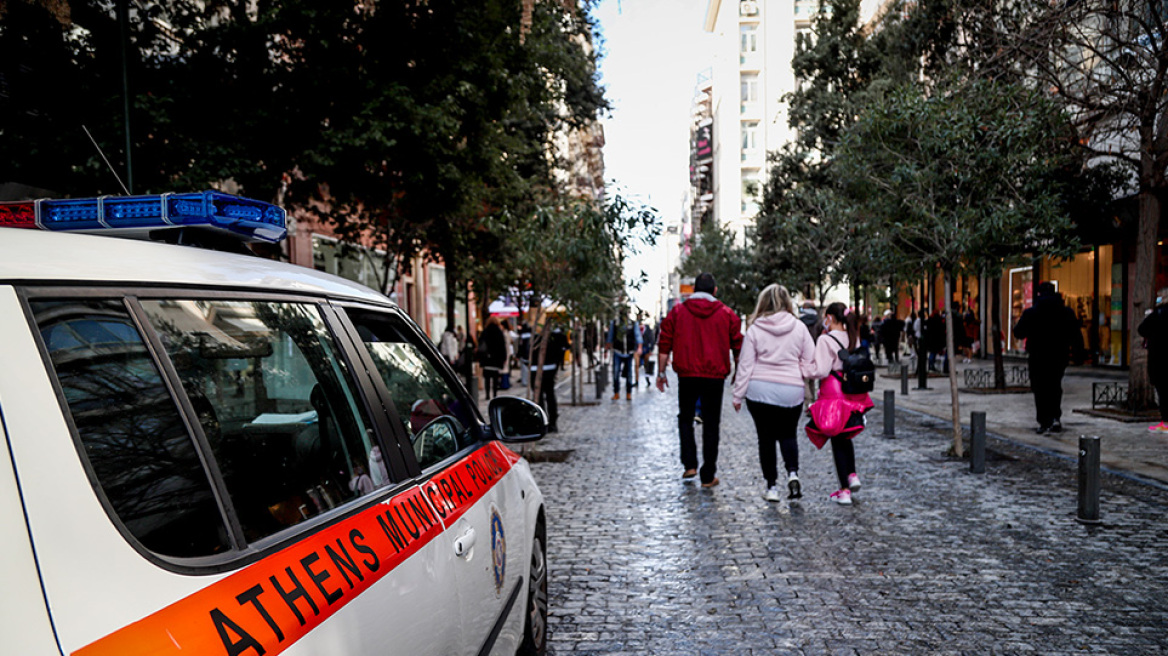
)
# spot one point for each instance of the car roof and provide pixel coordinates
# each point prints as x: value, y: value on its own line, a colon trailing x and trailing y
x: 35, y: 256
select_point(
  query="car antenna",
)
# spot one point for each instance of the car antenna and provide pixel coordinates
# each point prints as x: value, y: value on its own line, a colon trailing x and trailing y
x: 105, y: 159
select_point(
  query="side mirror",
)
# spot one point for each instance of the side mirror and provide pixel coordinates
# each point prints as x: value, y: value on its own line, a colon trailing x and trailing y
x: 517, y: 420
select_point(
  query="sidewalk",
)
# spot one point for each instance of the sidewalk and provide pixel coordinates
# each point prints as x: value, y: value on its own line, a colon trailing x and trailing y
x: 1126, y: 447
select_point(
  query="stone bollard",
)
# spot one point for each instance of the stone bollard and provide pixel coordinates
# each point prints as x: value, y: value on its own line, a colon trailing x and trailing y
x: 889, y: 413
x: 977, y: 442
x: 1089, y: 479
x: 903, y: 380
x: 601, y: 380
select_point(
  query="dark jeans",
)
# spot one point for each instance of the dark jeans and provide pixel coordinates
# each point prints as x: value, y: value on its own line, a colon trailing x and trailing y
x: 709, y: 390
x: 1046, y: 381
x: 776, y: 423
x: 622, y: 366
x: 547, y: 395
x: 844, y: 454
x: 892, y: 351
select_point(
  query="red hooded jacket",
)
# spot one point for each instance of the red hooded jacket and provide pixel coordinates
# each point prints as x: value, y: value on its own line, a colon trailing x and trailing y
x: 700, y: 333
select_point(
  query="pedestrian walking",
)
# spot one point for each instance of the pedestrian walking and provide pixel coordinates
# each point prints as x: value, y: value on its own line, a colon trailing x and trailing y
x: 776, y: 348
x: 934, y: 338
x: 703, y: 332
x: 837, y: 417
x: 553, y: 361
x: 493, y: 356
x: 648, y: 343
x: 1051, y: 331
x: 1154, y: 330
x: 624, y: 340
x: 890, y: 331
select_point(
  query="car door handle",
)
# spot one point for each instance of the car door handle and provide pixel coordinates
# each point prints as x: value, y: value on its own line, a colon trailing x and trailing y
x: 463, y: 544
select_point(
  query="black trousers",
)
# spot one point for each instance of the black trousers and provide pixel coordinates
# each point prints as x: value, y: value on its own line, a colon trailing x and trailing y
x: 844, y: 454
x: 1046, y: 381
x: 1162, y: 395
x: 709, y: 390
x: 490, y: 382
x: 547, y: 396
x: 776, y: 423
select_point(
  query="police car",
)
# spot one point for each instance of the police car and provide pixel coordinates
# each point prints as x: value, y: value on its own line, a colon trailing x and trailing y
x: 211, y: 453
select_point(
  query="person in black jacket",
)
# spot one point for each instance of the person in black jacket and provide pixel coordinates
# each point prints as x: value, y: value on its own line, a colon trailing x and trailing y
x: 553, y: 360
x: 1052, y: 333
x: 1154, y: 330
x: 493, y: 356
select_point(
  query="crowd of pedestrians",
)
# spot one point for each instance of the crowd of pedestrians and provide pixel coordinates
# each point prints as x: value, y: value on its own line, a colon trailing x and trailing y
x: 790, y: 362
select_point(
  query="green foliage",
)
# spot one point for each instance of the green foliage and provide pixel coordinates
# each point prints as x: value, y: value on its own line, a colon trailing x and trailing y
x: 733, y: 265
x: 572, y: 253
x: 963, y: 179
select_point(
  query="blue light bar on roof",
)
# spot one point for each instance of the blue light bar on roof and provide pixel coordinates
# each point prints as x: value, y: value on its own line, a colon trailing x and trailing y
x: 244, y: 218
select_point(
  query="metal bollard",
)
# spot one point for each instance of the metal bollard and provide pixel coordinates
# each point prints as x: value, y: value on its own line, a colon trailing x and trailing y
x: 1089, y: 481
x: 889, y: 413
x: 904, y: 380
x: 977, y: 442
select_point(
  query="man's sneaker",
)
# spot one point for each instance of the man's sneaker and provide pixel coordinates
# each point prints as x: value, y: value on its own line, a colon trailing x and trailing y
x: 616, y: 396
x: 772, y: 494
x: 1161, y: 427
x: 629, y: 396
x: 842, y: 497
x: 853, y: 482
x: 1056, y: 427
x: 794, y: 489
x: 1042, y: 430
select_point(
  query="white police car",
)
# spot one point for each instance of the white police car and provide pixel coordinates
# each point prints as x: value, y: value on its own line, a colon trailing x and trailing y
x: 206, y: 453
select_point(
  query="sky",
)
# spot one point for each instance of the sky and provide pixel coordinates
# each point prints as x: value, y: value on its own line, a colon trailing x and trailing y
x: 651, y: 53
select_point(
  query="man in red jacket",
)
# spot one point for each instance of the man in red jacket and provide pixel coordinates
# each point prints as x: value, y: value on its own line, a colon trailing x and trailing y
x: 700, y: 333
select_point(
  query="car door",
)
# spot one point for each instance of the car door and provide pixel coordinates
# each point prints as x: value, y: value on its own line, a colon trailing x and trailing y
x: 463, y: 474
x: 218, y: 461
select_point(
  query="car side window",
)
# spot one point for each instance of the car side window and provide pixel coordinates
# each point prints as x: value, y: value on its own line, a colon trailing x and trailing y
x: 277, y: 404
x: 436, y: 417
x: 130, y: 427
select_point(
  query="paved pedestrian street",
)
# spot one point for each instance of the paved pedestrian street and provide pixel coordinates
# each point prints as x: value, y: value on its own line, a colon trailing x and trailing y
x: 930, y: 560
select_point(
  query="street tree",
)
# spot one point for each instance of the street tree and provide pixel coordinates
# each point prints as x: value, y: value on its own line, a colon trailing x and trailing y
x: 961, y: 178
x: 715, y: 249
x: 1106, y: 61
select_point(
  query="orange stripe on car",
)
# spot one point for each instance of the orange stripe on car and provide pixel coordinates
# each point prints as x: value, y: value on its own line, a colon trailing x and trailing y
x: 272, y: 603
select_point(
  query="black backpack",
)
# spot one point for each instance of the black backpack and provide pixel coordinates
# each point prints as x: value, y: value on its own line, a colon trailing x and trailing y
x: 858, y: 375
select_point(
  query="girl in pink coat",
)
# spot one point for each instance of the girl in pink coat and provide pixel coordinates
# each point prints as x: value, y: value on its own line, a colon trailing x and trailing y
x: 835, y: 416
x: 776, y: 347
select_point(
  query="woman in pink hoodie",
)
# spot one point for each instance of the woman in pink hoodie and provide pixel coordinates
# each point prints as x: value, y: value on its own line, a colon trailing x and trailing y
x: 835, y: 416
x: 775, y: 350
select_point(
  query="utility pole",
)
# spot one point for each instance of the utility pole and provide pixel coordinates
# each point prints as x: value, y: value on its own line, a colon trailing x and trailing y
x: 124, y: 27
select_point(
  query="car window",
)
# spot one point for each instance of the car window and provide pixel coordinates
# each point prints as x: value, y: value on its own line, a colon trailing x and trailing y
x: 130, y: 428
x: 277, y: 405
x: 437, y: 418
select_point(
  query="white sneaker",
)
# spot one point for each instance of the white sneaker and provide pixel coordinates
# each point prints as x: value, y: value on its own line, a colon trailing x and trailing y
x: 772, y: 494
x: 842, y: 497
x: 795, y: 490
x: 853, y: 482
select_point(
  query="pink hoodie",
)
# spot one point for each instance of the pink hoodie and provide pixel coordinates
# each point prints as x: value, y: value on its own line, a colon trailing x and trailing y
x: 776, y: 349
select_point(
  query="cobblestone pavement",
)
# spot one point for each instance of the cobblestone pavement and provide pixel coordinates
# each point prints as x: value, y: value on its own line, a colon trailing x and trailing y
x: 930, y: 560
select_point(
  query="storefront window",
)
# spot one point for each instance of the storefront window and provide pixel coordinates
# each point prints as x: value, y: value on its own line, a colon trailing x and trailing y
x: 1075, y: 280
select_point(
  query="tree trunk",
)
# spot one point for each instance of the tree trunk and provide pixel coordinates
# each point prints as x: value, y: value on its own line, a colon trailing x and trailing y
x: 1140, y: 393
x: 958, y: 442
x: 996, y: 334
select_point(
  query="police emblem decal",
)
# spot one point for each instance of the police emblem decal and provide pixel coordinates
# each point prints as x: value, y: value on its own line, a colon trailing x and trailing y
x: 498, y: 550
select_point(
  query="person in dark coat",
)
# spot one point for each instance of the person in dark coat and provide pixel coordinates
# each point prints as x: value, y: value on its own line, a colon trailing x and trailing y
x: 1052, y: 333
x: 1154, y: 330
x: 934, y: 337
x: 890, y: 332
x: 493, y: 351
x: 553, y: 361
